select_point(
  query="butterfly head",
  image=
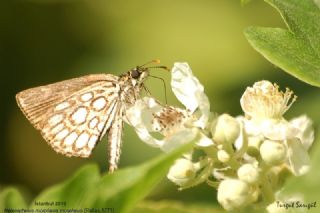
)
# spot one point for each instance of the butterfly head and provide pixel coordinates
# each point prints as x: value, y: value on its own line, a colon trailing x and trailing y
x: 141, y: 73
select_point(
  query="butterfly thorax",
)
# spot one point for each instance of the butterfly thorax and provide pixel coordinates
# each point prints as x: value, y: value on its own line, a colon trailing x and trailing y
x: 131, y: 83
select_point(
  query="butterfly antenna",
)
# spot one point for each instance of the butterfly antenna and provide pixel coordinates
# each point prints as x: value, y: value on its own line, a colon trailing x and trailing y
x: 161, y: 67
x: 154, y: 61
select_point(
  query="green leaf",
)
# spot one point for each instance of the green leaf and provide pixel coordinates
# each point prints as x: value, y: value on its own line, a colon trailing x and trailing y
x: 297, y: 49
x: 125, y: 188
x: 11, y: 198
x: 119, y: 191
x: 174, y: 207
x: 73, y: 191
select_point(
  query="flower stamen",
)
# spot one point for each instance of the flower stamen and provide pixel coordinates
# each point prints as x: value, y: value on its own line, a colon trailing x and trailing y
x: 168, y: 119
x: 265, y: 100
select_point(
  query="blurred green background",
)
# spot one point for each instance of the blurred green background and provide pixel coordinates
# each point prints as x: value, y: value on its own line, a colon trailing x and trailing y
x: 47, y: 41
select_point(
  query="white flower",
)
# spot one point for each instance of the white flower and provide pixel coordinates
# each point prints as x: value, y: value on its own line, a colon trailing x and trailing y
x: 273, y: 152
x: 264, y: 106
x: 298, y: 157
x: 223, y: 156
x: 306, y: 132
x: 225, y: 129
x: 248, y: 173
x: 270, y: 128
x: 234, y: 194
x: 176, y: 125
x: 264, y: 100
x: 182, y: 171
x: 190, y: 92
x: 254, y: 144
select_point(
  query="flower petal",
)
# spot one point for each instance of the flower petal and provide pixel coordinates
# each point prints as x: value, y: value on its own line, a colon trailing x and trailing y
x: 145, y: 136
x: 182, y: 171
x: 180, y: 137
x: 234, y: 194
x: 185, y: 86
x: 204, y: 141
x: 141, y: 113
x: 306, y: 132
x: 204, y: 107
x: 298, y: 158
x: 278, y: 129
x: 140, y: 117
x: 272, y: 129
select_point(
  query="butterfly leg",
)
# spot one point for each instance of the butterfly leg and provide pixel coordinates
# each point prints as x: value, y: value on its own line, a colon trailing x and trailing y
x: 115, y: 140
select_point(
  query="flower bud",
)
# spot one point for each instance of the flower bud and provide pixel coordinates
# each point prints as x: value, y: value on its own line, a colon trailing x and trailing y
x: 181, y: 172
x: 225, y: 129
x: 223, y: 156
x: 272, y: 152
x: 248, y: 173
x: 234, y: 194
x: 254, y: 146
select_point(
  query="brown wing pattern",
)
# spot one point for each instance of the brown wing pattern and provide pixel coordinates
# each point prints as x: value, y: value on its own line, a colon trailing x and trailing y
x: 72, y: 115
x: 36, y: 102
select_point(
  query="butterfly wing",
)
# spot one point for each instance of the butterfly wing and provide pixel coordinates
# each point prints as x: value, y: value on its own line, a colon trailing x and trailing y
x: 73, y: 115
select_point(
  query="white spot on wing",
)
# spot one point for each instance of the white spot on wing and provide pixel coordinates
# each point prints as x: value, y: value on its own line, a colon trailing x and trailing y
x: 100, y: 126
x: 93, y: 123
x: 62, y: 134
x: 82, y: 140
x: 92, y: 142
x: 70, y: 138
x: 99, y: 103
x: 57, y: 128
x: 79, y: 116
x: 62, y: 106
x: 87, y: 96
x: 55, y: 119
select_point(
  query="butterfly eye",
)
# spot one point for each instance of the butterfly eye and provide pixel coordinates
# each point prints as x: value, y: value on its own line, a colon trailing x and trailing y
x: 135, y: 73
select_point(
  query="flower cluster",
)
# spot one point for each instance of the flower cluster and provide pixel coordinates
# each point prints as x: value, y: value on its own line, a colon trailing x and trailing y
x: 243, y: 157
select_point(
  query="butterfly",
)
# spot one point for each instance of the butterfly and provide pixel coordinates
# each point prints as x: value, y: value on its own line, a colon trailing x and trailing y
x: 73, y: 115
